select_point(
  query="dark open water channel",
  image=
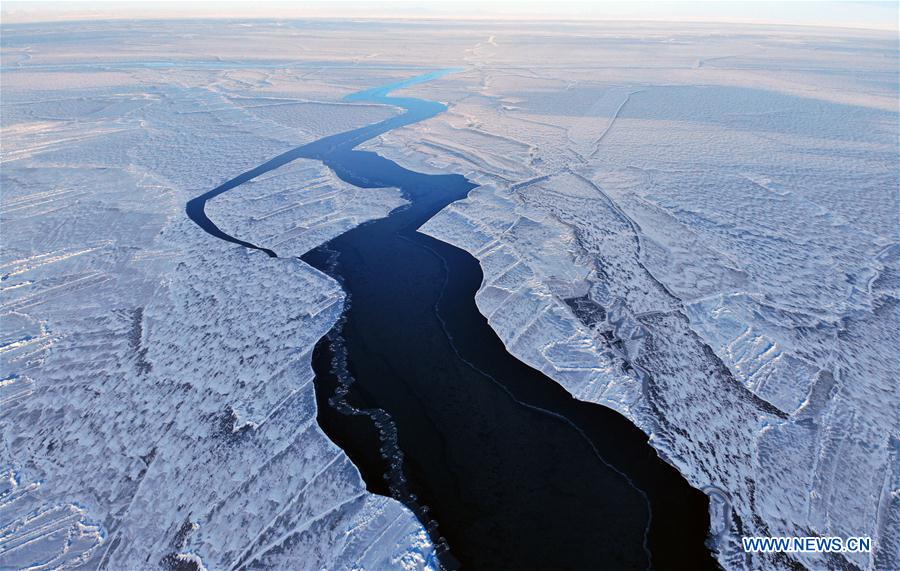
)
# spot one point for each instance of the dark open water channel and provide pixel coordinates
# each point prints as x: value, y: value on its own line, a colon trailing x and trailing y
x: 506, y: 470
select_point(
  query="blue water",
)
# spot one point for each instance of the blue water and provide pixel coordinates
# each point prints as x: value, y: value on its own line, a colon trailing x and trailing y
x: 503, y: 467
x: 416, y: 110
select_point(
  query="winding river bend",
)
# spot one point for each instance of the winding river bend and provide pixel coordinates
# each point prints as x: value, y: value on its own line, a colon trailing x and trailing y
x: 502, y: 465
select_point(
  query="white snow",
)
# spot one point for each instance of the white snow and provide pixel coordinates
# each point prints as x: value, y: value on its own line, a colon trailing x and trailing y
x: 698, y: 227
x: 695, y: 225
x: 156, y: 402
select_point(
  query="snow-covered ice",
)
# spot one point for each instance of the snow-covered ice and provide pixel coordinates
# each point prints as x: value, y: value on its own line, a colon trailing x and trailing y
x: 695, y: 225
x: 698, y: 227
x: 157, y: 400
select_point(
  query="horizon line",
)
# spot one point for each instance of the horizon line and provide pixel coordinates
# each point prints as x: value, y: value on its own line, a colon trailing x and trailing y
x: 92, y: 18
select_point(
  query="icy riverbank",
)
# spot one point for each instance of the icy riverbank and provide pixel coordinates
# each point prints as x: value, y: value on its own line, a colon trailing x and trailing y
x: 713, y: 260
x: 157, y: 398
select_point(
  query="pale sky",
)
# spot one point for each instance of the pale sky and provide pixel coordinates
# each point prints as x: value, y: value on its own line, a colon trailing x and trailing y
x: 852, y: 14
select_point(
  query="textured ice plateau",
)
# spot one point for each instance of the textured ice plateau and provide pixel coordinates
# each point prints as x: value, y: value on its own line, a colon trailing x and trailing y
x: 158, y: 409
x: 694, y: 225
x: 698, y: 227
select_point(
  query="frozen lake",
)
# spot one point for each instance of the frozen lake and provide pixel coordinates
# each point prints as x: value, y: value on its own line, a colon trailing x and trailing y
x: 504, y: 468
x: 692, y: 225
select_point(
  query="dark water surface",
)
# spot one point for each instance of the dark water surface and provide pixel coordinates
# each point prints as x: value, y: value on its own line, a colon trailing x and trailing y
x: 505, y: 469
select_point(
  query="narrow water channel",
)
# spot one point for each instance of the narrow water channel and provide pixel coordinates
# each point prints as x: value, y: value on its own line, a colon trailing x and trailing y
x: 505, y: 469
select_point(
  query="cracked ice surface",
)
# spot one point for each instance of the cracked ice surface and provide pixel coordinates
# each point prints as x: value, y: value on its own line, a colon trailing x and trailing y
x: 297, y: 207
x: 702, y: 233
x: 156, y: 395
